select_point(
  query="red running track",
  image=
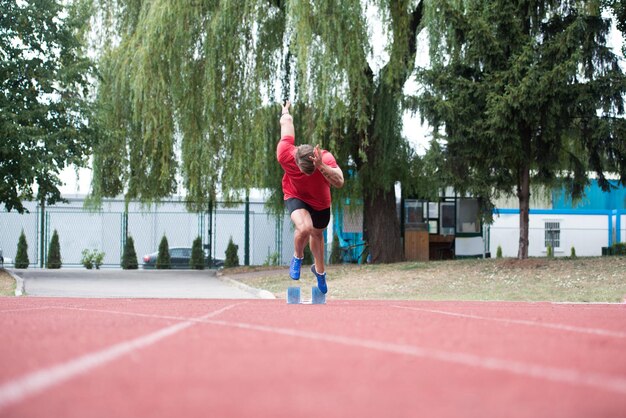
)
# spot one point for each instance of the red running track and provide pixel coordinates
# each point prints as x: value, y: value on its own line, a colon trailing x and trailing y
x: 260, y: 358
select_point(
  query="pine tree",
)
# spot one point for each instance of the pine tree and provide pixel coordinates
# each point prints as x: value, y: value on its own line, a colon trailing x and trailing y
x: 21, y: 258
x: 54, y: 252
x: 523, y: 93
x: 129, y: 258
x: 197, y: 255
x: 163, y: 258
x: 232, y: 259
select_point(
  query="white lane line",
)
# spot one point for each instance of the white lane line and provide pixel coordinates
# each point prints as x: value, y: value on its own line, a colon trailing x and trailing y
x: 23, y: 387
x: 555, y: 374
x: 34, y: 308
x: 560, y: 327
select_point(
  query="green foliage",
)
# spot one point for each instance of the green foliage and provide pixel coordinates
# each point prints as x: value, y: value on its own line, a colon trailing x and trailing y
x: 572, y: 252
x: 44, y: 116
x: 206, y: 73
x: 91, y: 259
x: 197, y: 255
x: 522, y: 94
x: 54, y: 252
x: 232, y: 259
x: 129, y: 257
x: 21, y: 258
x: 308, y: 255
x: 618, y: 248
x: 335, y: 251
x: 499, y: 252
x: 549, y: 251
x: 272, y: 259
x: 163, y: 260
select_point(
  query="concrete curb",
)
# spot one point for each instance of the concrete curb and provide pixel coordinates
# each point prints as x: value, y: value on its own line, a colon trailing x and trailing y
x: 260, y: 293
x: 19, y: 283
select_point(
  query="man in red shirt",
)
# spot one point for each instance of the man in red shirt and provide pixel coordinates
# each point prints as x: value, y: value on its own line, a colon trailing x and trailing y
x: 309, y: 173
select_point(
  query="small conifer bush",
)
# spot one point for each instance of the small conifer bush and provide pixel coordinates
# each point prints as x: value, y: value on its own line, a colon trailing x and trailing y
x: 129, y: 258
x: 21, y: 258
x: 54, y: 252
x: 163, y: 260
x: 232, y: 259
x: 197, y: 256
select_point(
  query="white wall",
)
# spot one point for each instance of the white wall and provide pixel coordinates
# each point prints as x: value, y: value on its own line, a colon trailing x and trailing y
x: 587, y: 233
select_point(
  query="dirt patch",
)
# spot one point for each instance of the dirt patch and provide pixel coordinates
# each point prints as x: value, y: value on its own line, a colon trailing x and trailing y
x: 7, y: 284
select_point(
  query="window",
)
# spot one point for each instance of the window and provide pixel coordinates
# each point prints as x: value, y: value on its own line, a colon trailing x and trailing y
x: 552, y: 234
x: 414, y: 212
x: 447, y: 218
x: 467, y: 216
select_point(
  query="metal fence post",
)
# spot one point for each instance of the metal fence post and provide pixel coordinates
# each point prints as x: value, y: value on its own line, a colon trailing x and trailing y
x: 210, y: 233
x: 246, y: 252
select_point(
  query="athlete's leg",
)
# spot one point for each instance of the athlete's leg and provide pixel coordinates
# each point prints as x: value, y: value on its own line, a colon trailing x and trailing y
x: 316, y: 243
x: 301, y: 219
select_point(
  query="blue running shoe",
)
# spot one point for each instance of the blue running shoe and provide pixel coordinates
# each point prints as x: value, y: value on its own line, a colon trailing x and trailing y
x: 294, y: 268
x: 321, y: 280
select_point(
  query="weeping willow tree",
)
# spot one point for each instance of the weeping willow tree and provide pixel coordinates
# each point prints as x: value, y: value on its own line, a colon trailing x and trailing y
x: 192, y: 88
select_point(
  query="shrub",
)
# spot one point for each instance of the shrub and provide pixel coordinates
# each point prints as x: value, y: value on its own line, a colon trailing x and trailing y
x: 550, y: 252
x: 86, y: 260
x: 335, y: 251
x: 197, y: 256
x: 98, y: 258
x: 54, y: 252
x: 308, y: 255
x: 92, y: 258
x: 21, y: 258
x: 129, y: 258
x: 272, y: 259
x: 499, y: 252
x: 163, y: 261
x: 619, y: 248
x: 232, y: 259
x: 572, y: 252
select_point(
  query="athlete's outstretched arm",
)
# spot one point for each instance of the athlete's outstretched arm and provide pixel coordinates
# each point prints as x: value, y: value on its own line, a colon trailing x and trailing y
x: 286, y: 122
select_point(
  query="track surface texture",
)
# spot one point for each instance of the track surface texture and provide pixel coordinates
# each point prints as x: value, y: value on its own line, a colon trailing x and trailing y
x: 263, y: 358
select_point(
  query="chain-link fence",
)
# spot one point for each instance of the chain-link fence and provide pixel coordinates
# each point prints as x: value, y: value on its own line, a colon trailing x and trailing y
x: 261, y: 237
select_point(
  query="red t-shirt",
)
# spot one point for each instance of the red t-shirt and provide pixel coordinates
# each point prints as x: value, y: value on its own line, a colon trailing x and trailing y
x: 314, y: 189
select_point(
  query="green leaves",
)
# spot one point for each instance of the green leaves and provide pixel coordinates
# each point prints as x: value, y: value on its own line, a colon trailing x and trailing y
x: 43, y: 111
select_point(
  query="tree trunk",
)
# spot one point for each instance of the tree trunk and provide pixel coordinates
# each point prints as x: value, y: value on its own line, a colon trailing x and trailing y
x: 382, y: 227
x: 523, y: 194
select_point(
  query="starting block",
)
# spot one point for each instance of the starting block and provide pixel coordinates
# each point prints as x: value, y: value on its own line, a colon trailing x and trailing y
x: 317, y: 297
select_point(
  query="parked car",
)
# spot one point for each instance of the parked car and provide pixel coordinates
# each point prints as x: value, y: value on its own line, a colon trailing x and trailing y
x: 179, y: 259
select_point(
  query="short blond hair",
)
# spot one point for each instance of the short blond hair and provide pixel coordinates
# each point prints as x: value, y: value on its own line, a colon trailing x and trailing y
x: 303, y: 159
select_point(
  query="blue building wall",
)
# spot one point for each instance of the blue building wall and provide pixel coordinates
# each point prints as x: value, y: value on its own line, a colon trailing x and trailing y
x: 594, y: 199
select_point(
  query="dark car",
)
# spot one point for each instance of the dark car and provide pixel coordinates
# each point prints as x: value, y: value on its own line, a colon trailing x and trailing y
x: 179, y: 259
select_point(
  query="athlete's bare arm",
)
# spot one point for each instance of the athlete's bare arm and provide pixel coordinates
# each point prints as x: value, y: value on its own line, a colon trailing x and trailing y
x: 334, y: 175
x: 286, y: 122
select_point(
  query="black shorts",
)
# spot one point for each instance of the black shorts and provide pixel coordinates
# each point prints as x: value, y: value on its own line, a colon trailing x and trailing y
x: 320, y: 218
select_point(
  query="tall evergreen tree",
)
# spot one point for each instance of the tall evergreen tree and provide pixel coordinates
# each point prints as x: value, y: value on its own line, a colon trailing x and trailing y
x: 54, y: 252
x: 207, y: 73
x: 129, y: 257
x: 44, y: 78
x: 523, y: 93
x: 21, y: 257
x: 163, y: 260
x: 197, y: 255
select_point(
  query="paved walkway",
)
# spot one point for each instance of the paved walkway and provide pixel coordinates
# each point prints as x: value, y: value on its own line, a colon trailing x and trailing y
x: 117, y: 283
